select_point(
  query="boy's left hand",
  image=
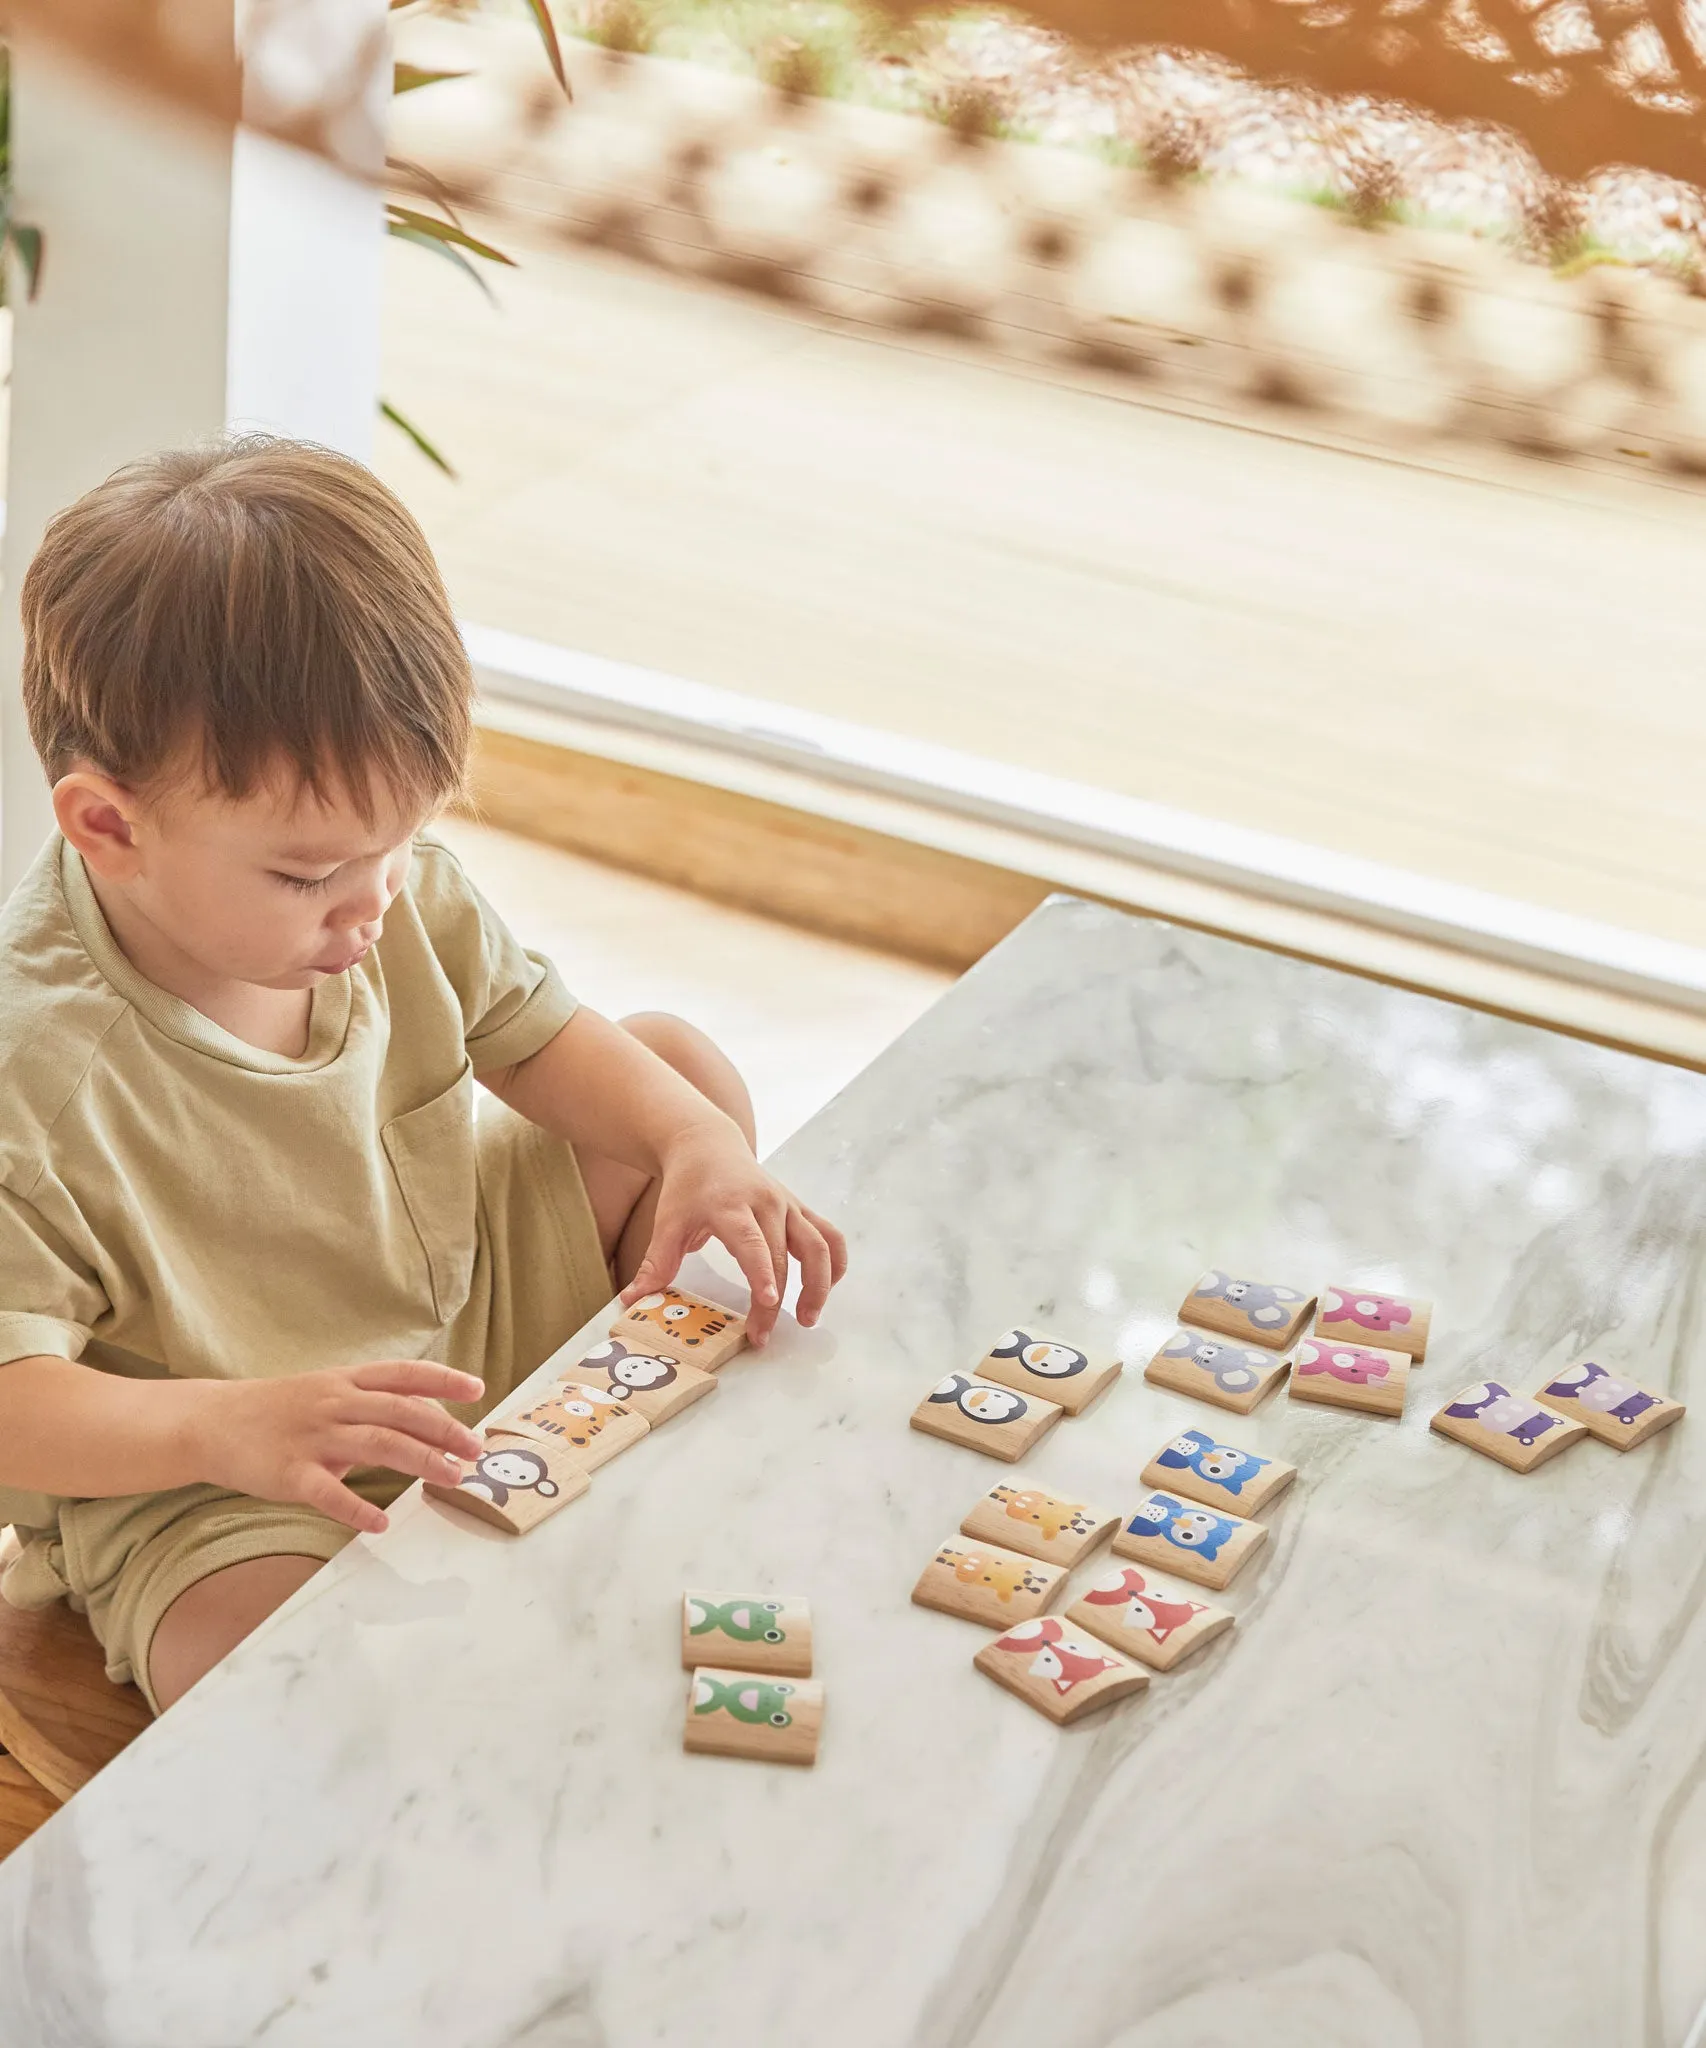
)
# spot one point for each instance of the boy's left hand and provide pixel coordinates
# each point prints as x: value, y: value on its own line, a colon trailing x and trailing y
x: 711, y: 1186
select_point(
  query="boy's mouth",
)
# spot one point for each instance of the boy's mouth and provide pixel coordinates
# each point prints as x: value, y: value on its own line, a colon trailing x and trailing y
x: 341, y: 963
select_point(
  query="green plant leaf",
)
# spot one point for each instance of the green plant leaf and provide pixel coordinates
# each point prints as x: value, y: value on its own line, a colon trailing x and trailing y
x: 390, y: 412
x: 408, y: 219
x: 444, y: 249
x: 437, y: 190
x: 30, y: 247
x: 541, y: 14
x: 411, y: 77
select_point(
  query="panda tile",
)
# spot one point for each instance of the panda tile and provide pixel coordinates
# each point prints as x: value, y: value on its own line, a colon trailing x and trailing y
x: 769, y: 1635
x: 1253, y: 1311
x: 1205, y: 1469
x: 591, y: 1423
x: 648, y: 1382
x: 1048, y: 1366
x: 751, y: 1714
x: 1138, y: 1613
x: 1058, y: 1669
x: 1210, y: 1369
x: 999, y: 1421
x: 1038, y: 1524
x: 982, y: 1582
x: 1516, y: 1431
x: 515, y: 1483
x: 1390, y: 1322
x: 686, y: 1326
x: 1349, y: 1376
x: 1609, y: 1407
x: 1180, y: 1536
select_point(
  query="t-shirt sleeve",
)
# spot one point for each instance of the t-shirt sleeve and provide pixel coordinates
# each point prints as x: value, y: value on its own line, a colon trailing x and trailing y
x: 513, y: 1001
x: 49, y: 1299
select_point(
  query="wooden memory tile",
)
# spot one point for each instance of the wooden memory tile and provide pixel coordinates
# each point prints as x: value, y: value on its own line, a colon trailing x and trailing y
x: 1614, y: 1409
x: 686, y: 1326
x: 1203, y: 1468
x: 747, y: 1713
x: 1147, y: 1620
x: 1023, y: 1517
x: 982, y: 1582
x: 592, y: 1423
x: 1210, y: 1369
x: 770, y: 1636
x: 1058, y: 1670
x: 1390, y: 1322
x: 1254, y: 1311
x: 645, y: 1381
x: 515, y: 1483
x: 1349, y: 1376
x: 1510, y: 1427
x: 999, y: 1421
x: 1048, y: 1366
x: 1177, y: 1535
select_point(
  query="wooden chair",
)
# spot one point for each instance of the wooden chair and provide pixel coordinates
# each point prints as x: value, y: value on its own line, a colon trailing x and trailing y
x: 61, y: 1717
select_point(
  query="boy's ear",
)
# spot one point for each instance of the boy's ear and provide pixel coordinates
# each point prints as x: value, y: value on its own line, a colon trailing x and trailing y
x: 98, y: 816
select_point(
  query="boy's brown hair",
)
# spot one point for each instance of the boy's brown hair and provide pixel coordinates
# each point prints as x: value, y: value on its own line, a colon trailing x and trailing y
x: 252, y: 602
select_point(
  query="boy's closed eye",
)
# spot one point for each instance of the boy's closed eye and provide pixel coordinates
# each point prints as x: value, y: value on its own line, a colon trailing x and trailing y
x: 306, y: 883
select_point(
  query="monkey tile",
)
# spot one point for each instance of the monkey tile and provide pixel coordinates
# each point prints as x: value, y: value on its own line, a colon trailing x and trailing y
x: 648, y: 1382
x: 1178, y: 1536
x: 999, y: 1421
x: 1510, y: 1427
x: 981, y: 1582
x: 515, y: 1483
x: 1615, y: 1410
x: 686, y: 1326
x: 1255, y: 1311
x: 1136, y: 1613
x: 1210, y: 1369
x: 770, y: 1636
x: 591, y: 1423
x: 1203, y: 1468
x: 1058, y: 1670
x: 1048, y: 1366
x: 1349, y: 1376
x: 750, y: 1714
x: 1390, y: 1322
x: 1023, y: 1517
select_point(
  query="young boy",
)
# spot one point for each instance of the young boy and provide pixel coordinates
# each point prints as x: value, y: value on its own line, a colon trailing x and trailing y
x: 251, y: 1233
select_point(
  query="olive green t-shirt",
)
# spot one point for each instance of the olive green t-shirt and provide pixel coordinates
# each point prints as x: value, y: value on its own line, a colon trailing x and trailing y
x: 175, y: 1201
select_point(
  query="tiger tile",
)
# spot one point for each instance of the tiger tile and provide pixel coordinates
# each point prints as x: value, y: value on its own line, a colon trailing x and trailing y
x: 1210, y: 1369
x: 981, y: 1582
x: 1039, y: 1524
x: 1049, y: 1366
x: 1219, y: 1475
x: 1180, y: 1536
x: 999, y: 1421
x: 1061, y: 1671
x: 592, y: 1423
x: 1136, y: 1613
x: 686, y: 1326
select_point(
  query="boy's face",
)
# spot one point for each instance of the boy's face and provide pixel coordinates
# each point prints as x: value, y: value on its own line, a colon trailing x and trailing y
x: 277, y: 889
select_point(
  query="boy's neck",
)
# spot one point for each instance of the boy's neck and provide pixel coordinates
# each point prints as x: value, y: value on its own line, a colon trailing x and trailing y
x: 273, y: 1020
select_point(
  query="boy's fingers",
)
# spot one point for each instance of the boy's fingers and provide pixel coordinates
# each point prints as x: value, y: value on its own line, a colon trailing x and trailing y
x: 400, y: 1453
x: 418, y: 1376
x: 806, y: 1242
x: 833, y: 1238
x: 413, y: 1417
x: 750, y: 1249
x: 659, y: 1266
x: 320, y: 1490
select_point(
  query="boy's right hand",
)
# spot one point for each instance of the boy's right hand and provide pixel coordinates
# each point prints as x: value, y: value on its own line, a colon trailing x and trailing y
x: 294, y: 1439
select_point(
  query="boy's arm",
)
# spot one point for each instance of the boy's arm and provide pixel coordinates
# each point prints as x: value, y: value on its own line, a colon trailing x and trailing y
x: 72, y: 1430
x: 597, y: 1086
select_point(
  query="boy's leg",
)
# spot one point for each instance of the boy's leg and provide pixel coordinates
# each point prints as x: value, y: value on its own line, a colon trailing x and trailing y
x: 624, y: 1199
x: 212, y: 1617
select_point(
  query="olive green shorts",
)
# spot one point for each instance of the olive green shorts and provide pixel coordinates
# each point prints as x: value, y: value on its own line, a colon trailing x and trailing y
x: 539, y: 1273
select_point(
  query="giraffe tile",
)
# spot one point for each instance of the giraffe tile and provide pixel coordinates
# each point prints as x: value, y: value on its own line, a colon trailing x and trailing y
x: 1510, y: 1427
x: 1060, y: 1671
x: 1390, y: 1322
x: 1025, y: 1518
x: 515, y: 1483
x: 1146, y: 1619
x: 1179, y: 1536
x: 592, y: 1423
x: 981, y: 1582
x: 686, y: 1326
x: 1254, y: 1311
x: 1048, y: 1366
x: 1349, y: 1376
x: 999, y: 1421
x: 768, y: 1635
x: 1614, y: 1409
x: 1210, y: 1369
x: 647, y: 1382
x: 750, y: 1714
x: 1203, y: 1468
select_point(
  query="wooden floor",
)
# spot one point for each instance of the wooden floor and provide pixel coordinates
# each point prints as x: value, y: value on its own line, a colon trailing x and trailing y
x: 1496, y: 679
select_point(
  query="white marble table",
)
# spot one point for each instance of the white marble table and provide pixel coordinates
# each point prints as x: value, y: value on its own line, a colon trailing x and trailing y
x: 1445, y: 1785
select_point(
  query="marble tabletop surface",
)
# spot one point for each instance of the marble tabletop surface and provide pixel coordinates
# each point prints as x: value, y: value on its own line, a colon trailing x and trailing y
x: 1444, y: 1784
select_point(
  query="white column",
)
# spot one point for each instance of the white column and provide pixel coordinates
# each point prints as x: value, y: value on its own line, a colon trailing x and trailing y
x: 191, y: 281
